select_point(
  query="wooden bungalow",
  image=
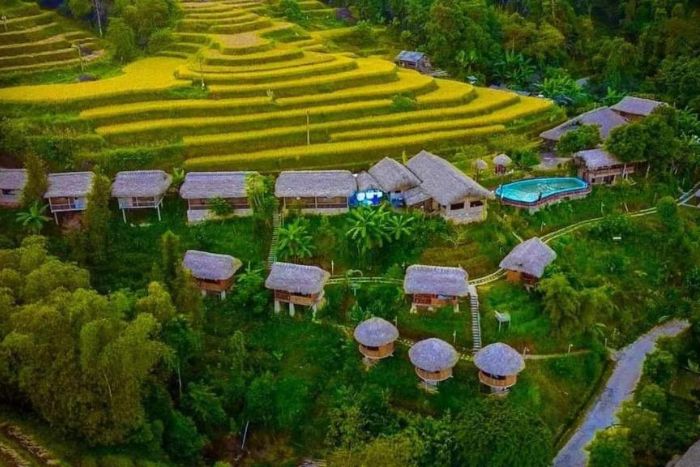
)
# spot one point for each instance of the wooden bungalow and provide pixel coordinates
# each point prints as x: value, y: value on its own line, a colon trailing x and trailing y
x: 376, y: 337
x: 527, y: 261
x: 316, y: 191
x: 213, y: 272
x: 394, y: 178
x: 413, y: 60
x: 433, y: 360
x: 635, y: 108
x: 296, y: 284
x: 140, y: 189
x: 598, y: 166
x: 67, y: 193
x: 435, y: 286
x: 12, y: 183
x: 369, y: 192
x: 452, y: 194
x: 499, y: 365
x: 201, y: 188
x: 603, y: 117
x: 501, y: 163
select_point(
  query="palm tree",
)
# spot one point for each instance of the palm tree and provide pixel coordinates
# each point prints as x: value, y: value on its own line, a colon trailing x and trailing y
x: 295, y: 241
x: 33, y: 219
x: 368, y: 228
x: 560, y: 301
x: 400, y: 227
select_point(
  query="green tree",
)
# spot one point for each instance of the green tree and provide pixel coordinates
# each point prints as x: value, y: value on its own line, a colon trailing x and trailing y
x: 97, y: 217
x: 667, y: 210
x: 170, y: 257
x: 33, y: 218
x: 560, y: 301
x: 653, y: 397
x: 37, y: 180
x: 660, y: 366
x: 583, y: 137
x: 628, y: 142
x: 205, y: 406
x: 400, y: 227
x: 187, y: 297
x: 122, y: 39
x: 611, y: 448
x: 295, y: 240
x: 260, y: 193
x: 399, y: 450
x: 157, y: 303
x: 368, y: 228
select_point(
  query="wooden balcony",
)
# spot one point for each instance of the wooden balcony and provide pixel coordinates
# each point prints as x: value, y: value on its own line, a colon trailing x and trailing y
x: 303, y: 300
x: 377, y: 353
x: 499, y: 383
x: 434, y: 376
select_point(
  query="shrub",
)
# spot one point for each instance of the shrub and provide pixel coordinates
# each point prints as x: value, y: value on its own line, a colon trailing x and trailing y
x: 402, y: 103
x: 220, y: 207
x: 123, y: 40
x: 160, y: 40
x: 584, y: 137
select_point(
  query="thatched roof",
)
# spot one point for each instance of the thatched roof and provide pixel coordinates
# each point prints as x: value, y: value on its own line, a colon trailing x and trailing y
x: 499, y: 359
x: 438, y: 280
x: 433, y: 355
x: 393, y: 176
x: 442, y: 181
x: 321, y: 183
x: 597, y: 158
x: 415, y: 196
x: 531, y: 257
x: 12, y: 179
x: 375, y: 332
x: 503, y: 160
x: 211, y: 266
x: 604, y: 118
x: 691, y: 458
x: 366, y: 182
x: 636, y: 106
x: 71, y: 184
x: 480, y: 164
x: 140, y: 183
x: 296, y: 278
x: 207, y: 185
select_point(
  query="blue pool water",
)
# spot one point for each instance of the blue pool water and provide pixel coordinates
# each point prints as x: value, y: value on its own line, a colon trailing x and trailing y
x: 532, y: 190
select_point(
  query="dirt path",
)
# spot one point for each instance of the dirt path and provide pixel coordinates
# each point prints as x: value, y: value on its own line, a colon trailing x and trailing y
x: 618, y: 389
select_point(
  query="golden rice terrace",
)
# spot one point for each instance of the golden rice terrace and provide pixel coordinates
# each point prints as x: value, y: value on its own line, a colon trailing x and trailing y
x: 274, y: 99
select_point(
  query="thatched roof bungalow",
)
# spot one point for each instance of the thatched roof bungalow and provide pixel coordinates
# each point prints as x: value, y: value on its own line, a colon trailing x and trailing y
x: 435, y: 286
x: 140, y: 189
x: 635, y: 108
x: 296, y: 284
x: 200, y: 188
x: 598, y: 166
x: 213, y: 272
x: 12, y: 183
x: 376, y: 338
x: 316, y: 191
x: 499, y: 365
x: 528, y: 260
x: 394, y: 179
x: 454, y: 195
x: 67, y: 192
x: 369, y: 191
x: 603, y: 117
x: 433, y: 360
x: 501, y: 163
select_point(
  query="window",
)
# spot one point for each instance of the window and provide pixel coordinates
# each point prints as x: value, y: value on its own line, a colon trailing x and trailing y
x: 475, y: 204
x: 7, y: 192
x: 455, y: 206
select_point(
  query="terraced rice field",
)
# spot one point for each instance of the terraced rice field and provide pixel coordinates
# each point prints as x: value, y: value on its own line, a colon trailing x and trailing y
x: 34, y: 40
x: 276, y: 99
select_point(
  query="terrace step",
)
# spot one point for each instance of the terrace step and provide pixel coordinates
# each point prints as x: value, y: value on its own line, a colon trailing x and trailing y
x: 28, y: 35
x: 51, y: 43
x: 25, y: 22
x: 40, y: 57
x: 215, y: 58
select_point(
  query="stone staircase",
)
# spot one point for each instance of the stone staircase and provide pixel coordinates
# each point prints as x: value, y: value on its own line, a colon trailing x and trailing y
x: 476, y: 318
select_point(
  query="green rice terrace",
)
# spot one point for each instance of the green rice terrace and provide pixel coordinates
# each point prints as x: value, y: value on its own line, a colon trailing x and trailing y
x: 272, y: 99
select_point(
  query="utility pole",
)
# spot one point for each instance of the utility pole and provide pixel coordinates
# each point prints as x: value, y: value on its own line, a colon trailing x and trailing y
x: 98, y: 12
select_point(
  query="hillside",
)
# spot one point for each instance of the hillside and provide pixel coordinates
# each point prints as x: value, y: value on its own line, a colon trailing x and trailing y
x: 275, y: 99
x: 34, y: 40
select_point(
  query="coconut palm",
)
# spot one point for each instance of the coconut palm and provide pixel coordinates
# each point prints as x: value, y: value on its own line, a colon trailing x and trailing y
x: 368, y: 228
x: 400, y: 227
x: 33, y: 219
x: 295, y: 241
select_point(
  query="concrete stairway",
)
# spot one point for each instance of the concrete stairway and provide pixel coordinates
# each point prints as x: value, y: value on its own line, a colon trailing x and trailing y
x: 476, y: 318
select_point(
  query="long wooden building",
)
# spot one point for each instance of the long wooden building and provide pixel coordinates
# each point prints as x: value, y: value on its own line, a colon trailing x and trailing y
x: 213, y: 272
x: 140, y: 189
x: 296, y: 284
x: 435, y: 286
x: 316, y: 191
x: 201, y: 189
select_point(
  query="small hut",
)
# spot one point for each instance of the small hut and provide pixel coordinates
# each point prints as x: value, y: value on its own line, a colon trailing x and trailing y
x: 453, y: 195
x: 369, y: 192
x: 499, y: 365
x: 213, y: 272
x: 12, y: 183
x: 376, y: 337
x: 296, y: 284
x: 316, y: 191
x: 140, y: 189
x: 501, y: 163
x: 394, y: 178
x: 200, y: 189
x: 635, y: 108
x: 67, y: 193
x: 527, y: 261
x: 433, y: 359
x: 435, y: 286
x: 598, y: 167
x: 480, y: 165
x: 603, y: 117
x: 413, y: 60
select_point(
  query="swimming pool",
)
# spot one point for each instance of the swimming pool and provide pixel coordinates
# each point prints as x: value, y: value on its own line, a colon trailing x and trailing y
x: 537, y: 192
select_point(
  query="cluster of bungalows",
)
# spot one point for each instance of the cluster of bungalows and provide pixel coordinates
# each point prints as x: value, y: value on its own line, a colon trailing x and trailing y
x: 597, y: 166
